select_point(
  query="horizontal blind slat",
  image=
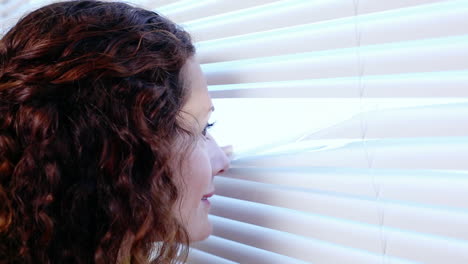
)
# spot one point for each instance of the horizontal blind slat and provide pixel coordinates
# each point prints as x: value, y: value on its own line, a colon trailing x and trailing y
x: 199, y: 257
x: 183, y: 11
x: 241, y: 253
x: 10, y: 7
x: 157, y: 3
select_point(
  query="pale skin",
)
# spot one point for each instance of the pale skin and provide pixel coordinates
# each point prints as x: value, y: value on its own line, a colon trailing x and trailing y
x: 205, y: 161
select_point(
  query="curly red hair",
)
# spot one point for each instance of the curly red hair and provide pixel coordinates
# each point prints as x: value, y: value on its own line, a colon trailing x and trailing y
x: 90, y: 92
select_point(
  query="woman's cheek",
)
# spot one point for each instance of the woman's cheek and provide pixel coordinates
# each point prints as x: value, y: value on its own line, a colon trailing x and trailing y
x: 197, y: 181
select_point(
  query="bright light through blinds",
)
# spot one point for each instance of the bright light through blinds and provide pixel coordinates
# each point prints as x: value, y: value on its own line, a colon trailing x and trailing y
x: 256, y: 125
x: 350, y: 124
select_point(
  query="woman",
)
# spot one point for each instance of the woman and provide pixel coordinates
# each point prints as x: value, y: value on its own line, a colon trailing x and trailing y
x: 104, y: 151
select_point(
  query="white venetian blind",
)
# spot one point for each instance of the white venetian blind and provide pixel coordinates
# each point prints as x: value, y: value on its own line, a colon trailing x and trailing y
x: 350, y: 121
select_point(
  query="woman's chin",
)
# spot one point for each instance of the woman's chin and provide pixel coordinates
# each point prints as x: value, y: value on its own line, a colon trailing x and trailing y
x: 201, y: 233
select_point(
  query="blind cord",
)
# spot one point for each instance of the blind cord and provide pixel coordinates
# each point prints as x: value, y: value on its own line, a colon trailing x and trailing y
x: 363, y: 125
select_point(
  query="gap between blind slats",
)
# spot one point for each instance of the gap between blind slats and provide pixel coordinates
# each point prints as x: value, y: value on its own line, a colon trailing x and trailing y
x: 241, y: 253
x: 451, y: 120
x: 407, y: 122
x: 411, y: 186
x: 285, y: 14
x: 395, y: 58
x: 422, y: 218
x: 440, y: 153
x: 433, y: 84
x: 446, y: 19
x: 361, y: 242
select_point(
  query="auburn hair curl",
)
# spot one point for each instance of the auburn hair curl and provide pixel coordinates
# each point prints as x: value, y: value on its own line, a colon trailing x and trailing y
x: 90, y: 92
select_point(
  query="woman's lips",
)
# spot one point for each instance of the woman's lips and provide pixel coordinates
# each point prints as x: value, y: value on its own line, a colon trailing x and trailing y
x: 208, y: 195
x: 205, y: 198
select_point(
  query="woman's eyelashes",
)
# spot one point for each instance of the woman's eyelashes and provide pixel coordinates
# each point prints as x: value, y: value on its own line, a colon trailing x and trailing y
x: 208, y: 126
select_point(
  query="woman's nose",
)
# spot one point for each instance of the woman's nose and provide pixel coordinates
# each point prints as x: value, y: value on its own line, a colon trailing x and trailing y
x: 220, y: 160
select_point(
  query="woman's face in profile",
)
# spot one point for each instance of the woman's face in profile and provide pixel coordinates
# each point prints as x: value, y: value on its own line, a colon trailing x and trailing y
x: 205, y: 161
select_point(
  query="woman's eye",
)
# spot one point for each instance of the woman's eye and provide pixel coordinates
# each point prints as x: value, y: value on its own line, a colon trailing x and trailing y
x: 208, y: 126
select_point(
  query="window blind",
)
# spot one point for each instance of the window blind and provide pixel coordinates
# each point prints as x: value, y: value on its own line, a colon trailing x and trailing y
x: 385, y: 180
x: 349, y: 120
